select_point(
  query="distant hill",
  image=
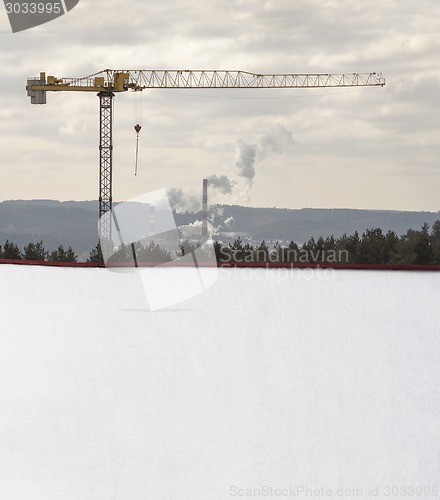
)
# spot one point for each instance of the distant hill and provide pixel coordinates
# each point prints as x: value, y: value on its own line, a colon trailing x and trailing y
x: 74, y: 223
x: 300, y: 224
x: 67, y: 223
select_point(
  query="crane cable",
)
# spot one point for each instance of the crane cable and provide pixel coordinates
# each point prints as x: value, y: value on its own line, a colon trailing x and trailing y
x: 137, y: 115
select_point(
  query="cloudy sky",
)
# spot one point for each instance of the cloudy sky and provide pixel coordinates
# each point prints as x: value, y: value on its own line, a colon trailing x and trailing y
x: 366, y: 147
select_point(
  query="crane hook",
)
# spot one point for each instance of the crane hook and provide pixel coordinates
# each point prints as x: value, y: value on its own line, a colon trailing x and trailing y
x: 137, y: 128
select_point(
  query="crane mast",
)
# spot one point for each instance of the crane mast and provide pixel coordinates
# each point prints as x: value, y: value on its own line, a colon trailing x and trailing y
x: 108, y: 82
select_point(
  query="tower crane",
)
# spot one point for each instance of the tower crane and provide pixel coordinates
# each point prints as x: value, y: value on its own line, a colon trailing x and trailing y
x: 109, y: 81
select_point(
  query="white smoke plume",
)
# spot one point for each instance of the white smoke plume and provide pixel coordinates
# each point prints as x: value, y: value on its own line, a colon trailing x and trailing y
x: 194, y: 230
x: 190, y: 231
x: 229, y: 222
x: 272, y: 139
x: 221, y: 183
x: 245, y: 160
x: 183, y: 202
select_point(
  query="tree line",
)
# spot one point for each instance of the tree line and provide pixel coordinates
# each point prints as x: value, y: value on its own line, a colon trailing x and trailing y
x: 36, y: 251
x: 373, y: 246
x: 420, y: 247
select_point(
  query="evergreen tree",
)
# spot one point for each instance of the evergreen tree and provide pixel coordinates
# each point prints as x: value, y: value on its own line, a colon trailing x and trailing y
x: 435, y: 242
x: 61, y: 255
x: 435, y: 232
x: 217, y: 250
x: 405, y: 251
x: 422, y: 246
x: 350, y: 244
x: 309, y: 246
x: 390, y: 248
x: 124, y: 254
x: 370, y: 248
x: 71, y: 255
x: 236, y: 250
x: 329, y: 244
x: 292, y: 252
x: 34, y: 251
x: 96, y: 254
x: 11, y: 251
x: 185, y: 247
x: 277, y: 254
x: 262, y: 252
x: 152, y: 252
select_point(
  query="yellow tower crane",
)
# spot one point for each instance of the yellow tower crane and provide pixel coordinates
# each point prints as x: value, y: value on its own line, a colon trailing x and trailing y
x: 105, y: 83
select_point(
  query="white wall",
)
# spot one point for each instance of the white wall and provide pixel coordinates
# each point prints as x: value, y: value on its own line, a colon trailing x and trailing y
x: 271, y: 379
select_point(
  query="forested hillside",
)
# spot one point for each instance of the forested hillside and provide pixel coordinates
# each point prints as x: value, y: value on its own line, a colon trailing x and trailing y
x: 74, y: 223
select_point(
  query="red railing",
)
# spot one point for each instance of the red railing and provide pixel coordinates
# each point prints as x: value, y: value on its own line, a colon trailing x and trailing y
x: 268, y: 265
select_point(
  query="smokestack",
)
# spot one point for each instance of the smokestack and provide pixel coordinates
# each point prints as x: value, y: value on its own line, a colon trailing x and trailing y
x: 152, y: 226
x: 205, y: 208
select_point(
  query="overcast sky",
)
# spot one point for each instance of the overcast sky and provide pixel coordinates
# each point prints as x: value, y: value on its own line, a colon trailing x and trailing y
x: 366, y: 147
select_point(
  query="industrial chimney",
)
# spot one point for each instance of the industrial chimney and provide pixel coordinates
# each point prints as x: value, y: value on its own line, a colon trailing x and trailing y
x: 205, y: 208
